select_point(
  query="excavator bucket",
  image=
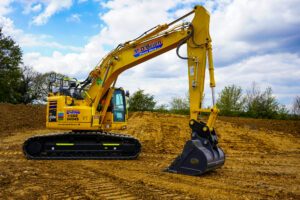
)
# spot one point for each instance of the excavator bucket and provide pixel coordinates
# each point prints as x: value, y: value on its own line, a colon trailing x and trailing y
x: 200, y: 154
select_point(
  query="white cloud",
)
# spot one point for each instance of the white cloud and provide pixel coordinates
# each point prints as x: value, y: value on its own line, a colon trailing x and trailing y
x: 37, y: 8
x: 4, y: 7
x: 127, y: 19
x: 243, y: 27
x: 71, y: 63
x: 52, y: 7
x: 280, y: 71
x: 74, y: 18
x: 164, y: 77
x: 31, y: 7
x: 81, y: 1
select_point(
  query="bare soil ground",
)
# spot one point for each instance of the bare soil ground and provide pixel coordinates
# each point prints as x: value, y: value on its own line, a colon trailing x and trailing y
x: 262, y: 162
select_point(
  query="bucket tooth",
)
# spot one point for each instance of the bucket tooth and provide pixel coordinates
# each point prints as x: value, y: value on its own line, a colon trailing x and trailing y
x: 199, y: 155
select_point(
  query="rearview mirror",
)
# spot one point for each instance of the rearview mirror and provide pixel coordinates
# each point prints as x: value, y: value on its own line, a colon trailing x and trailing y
x: 127, y: 93
x: 72, y: 84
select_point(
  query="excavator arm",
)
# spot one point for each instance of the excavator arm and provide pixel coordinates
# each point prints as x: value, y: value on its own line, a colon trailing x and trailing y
x: 160, y: 40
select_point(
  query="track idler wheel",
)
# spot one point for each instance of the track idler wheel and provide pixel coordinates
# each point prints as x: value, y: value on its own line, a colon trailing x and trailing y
x: 34, y: 148
x: 200, y: 154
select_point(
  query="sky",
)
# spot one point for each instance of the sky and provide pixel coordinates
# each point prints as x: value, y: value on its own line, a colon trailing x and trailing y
x: 253, y: 41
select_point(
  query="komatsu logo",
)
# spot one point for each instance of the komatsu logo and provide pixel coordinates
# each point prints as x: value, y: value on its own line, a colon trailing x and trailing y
x: 148, y: 47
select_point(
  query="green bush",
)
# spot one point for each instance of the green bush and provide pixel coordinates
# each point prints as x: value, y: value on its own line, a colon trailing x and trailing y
x: 230, y: 101
x: 163, y: 108
x: 141, y: 102
x: 264, y: 104
x: 180, y: 106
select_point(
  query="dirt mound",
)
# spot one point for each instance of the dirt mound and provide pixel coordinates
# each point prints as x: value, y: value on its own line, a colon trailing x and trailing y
x: 167, y: 133
x: 21, y: 117
x: 288, y: 126
x: 160, y: 132
x: 261, y: 163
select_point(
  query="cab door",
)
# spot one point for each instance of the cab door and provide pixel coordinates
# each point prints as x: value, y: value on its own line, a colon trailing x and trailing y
x: 118, y: 106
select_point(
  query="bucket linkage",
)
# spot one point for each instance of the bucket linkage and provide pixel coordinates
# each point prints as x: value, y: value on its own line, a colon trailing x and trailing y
x: 200, y: 154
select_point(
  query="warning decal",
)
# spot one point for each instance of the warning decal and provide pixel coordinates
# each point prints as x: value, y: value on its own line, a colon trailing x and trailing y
x: 60, y: 116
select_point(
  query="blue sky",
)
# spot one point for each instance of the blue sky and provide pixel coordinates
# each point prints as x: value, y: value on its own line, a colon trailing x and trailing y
x: 70, y: 27
x: 253, y: 40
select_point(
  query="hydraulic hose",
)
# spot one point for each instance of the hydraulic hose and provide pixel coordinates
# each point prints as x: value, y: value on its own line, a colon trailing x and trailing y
x: 85, y: 83
x: 184, y: 41
x: 191, y: 34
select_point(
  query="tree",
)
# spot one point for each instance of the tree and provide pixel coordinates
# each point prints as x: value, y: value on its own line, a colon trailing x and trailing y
x: 180, y: 105
x: 263, y: 104
x: 10, y: 73
x: 283, y: 112
x: 43, y: 83
x: 296, y: 106
x: 39, y: 85
x: 163, y: 108
x: 141, y: 102
x: 230, y: 100
x: 33, y: 86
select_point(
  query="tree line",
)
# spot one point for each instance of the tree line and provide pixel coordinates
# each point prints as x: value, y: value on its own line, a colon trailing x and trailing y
x: 255, y: 103
x: 231, y: 102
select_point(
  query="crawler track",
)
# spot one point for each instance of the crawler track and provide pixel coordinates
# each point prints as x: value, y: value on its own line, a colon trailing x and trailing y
x: 82, y: 145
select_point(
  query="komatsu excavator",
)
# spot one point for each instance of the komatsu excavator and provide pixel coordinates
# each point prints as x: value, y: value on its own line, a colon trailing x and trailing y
x: 91, y: 113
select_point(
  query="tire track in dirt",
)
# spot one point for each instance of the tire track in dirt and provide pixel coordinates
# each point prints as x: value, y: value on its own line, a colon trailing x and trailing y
x: 166, y: 181
x: 10, y: 153
x: 11, y: 156
x: 125, y: 179
x: 103, y: 188
x: 97, y: 189
x: 10, y: 160
x: 76, y: 181
x: 94, y: 185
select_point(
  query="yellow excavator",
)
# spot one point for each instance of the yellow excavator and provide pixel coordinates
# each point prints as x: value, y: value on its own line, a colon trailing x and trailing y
x: 94, y: 107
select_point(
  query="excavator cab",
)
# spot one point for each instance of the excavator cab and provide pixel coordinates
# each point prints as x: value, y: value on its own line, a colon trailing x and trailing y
x: 117, y: 105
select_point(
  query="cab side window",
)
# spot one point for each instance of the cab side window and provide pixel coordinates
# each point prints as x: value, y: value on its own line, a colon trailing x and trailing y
x: 119, y: 109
